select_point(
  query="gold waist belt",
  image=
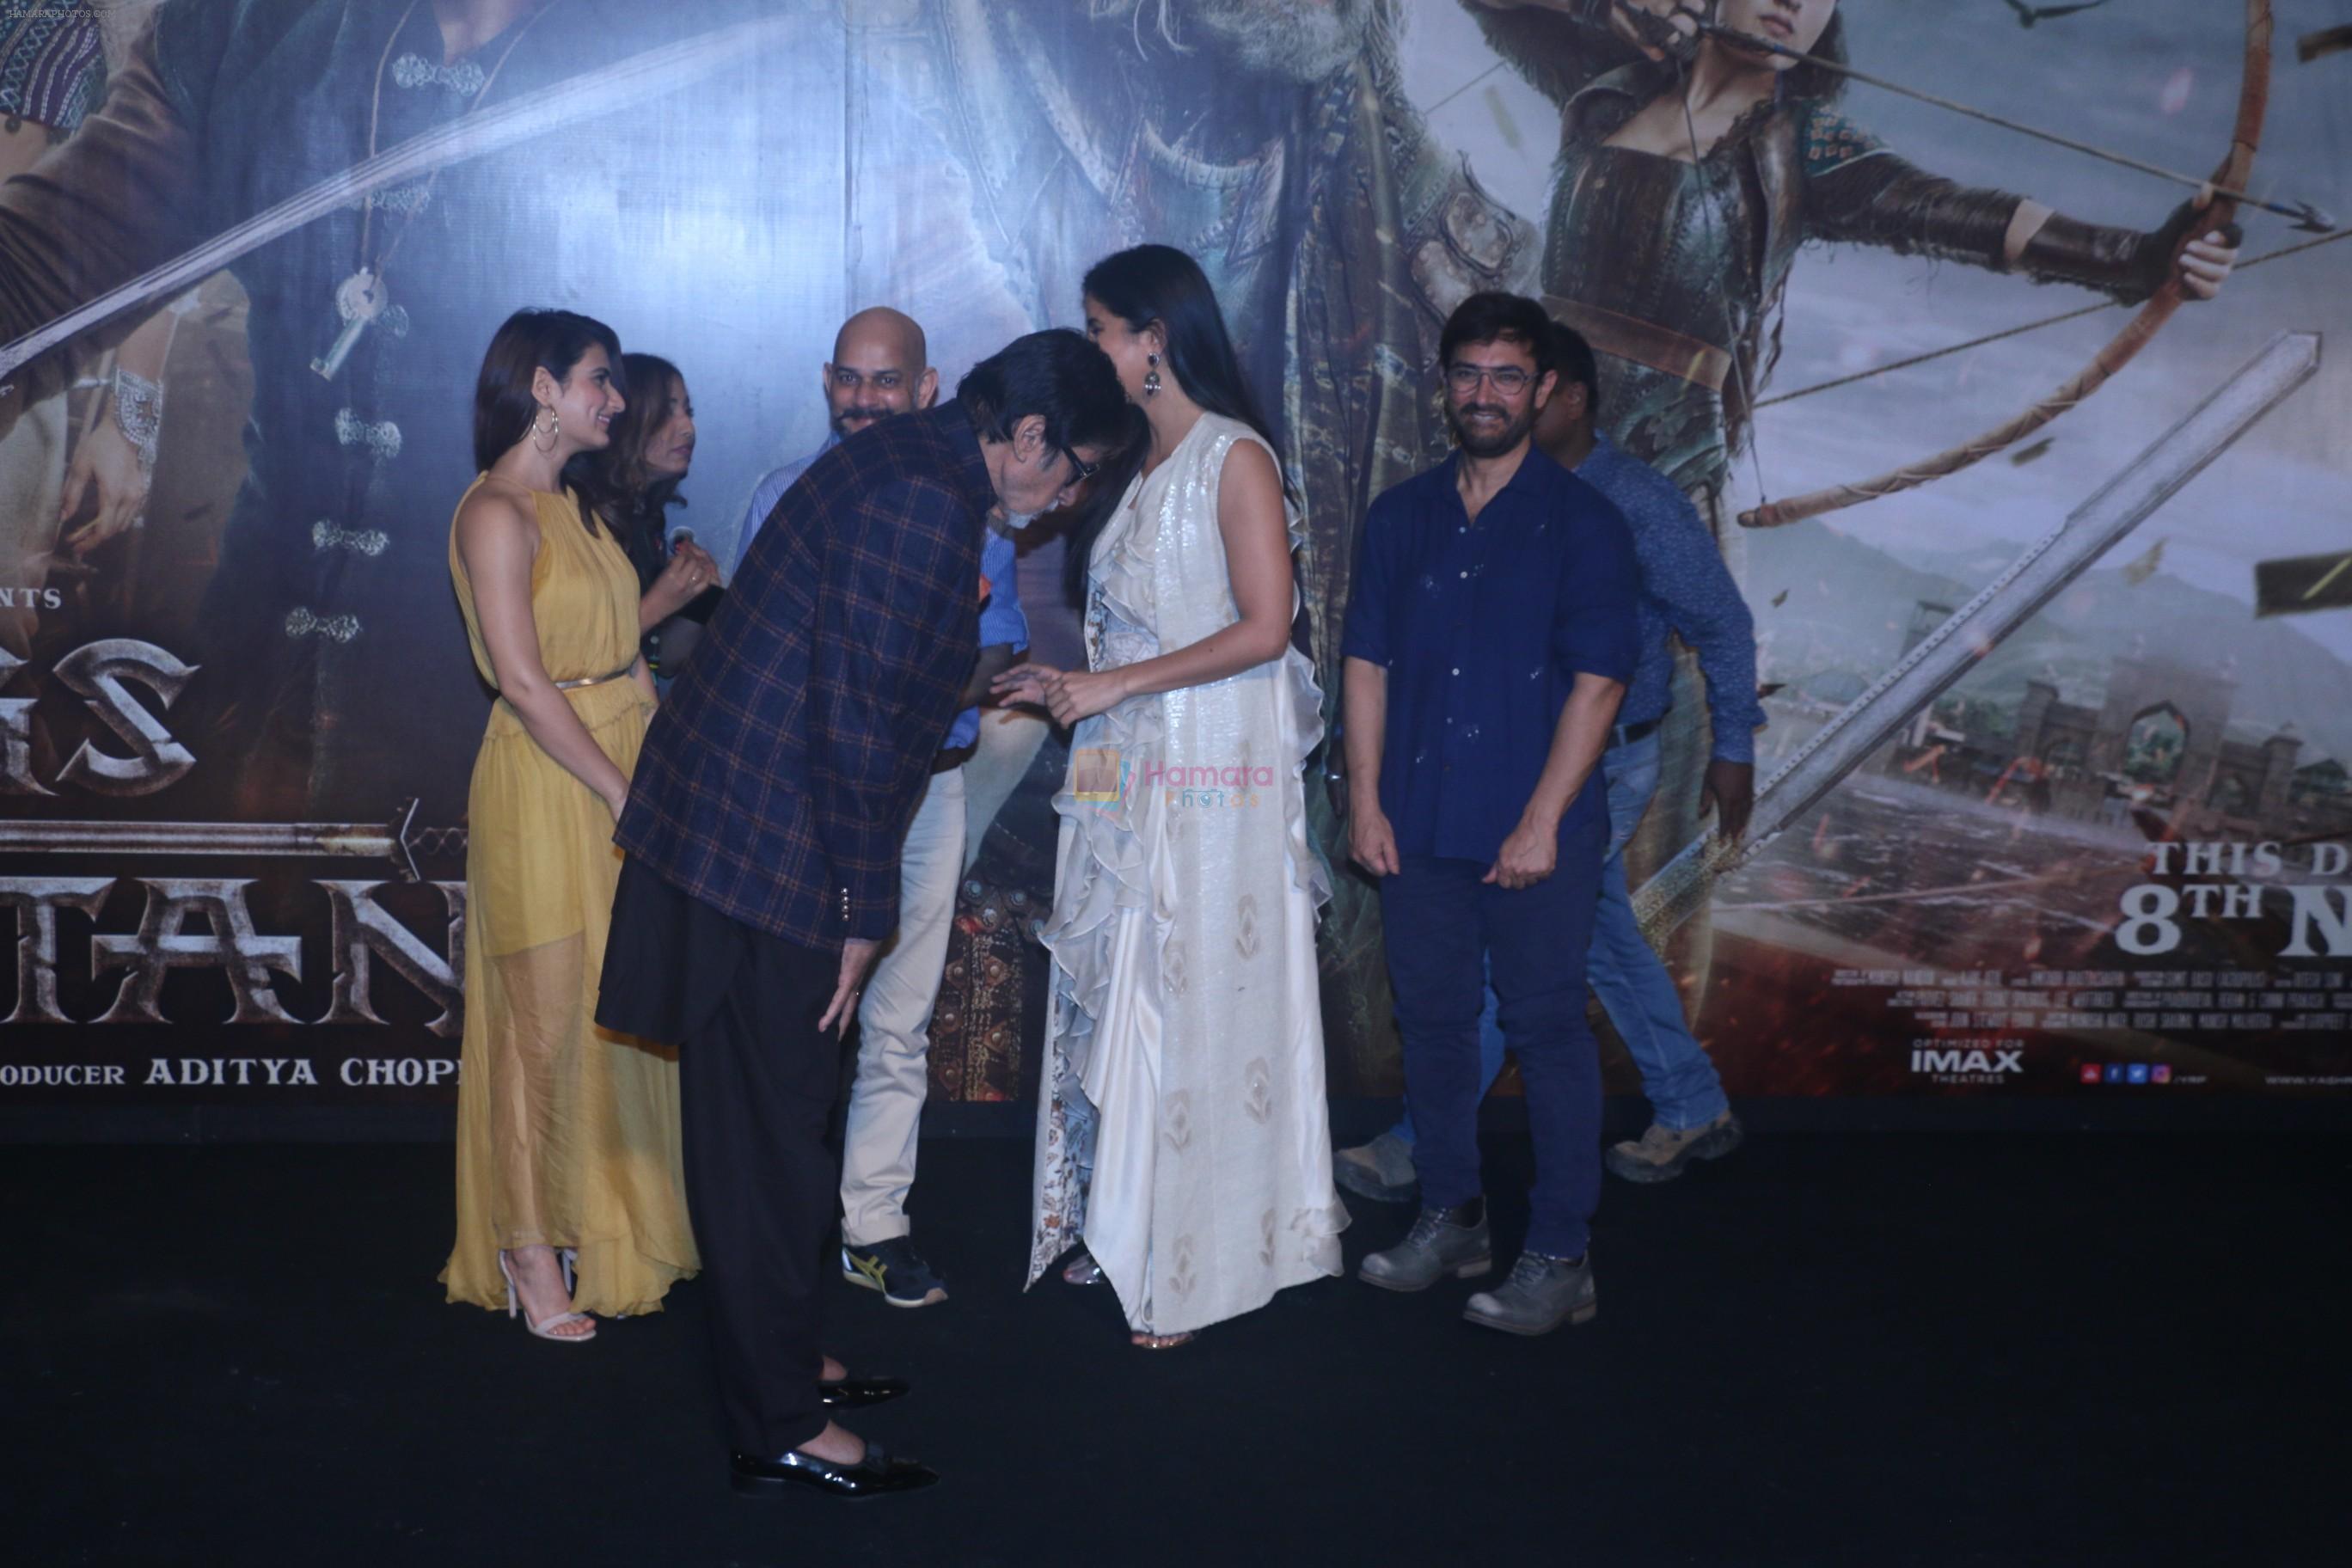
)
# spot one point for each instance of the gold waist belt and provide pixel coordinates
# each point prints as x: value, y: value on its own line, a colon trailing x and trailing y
x: 595, y: 679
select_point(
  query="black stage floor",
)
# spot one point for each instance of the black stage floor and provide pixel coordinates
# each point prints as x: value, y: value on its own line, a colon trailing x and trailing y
x: 1833, y: 1348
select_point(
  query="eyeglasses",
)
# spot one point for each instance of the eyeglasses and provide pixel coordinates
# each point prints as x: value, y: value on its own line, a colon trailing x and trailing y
x: 1080, y: 472
x: 1509, y: 379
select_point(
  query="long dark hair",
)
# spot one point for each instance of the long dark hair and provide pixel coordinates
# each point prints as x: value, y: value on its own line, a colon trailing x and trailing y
x: 528, y: 341
x: 633, y: 500
x: 1160, y: 283
x: 1058, y: 376
x: 1810, y: 80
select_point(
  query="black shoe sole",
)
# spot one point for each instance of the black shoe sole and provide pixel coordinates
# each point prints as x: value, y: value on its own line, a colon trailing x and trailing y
x: 777, y: 1486
x: 1469, y: 1271
x: 1349, y: 1180
x: 863, y: 1283
x: 1576, y: 1317
x: 830, y: 1395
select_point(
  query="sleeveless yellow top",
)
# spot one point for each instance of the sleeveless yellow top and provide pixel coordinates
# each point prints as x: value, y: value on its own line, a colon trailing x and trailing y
x: 583, y: 594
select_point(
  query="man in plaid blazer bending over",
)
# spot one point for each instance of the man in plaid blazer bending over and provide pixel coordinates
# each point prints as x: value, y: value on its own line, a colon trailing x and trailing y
x: 762, y: 836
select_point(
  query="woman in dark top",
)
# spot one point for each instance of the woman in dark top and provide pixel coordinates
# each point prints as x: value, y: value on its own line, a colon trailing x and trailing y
x: 634, y: 484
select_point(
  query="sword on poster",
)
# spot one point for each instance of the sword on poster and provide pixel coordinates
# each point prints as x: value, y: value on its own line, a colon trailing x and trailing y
x: 638, y: 79
x: 398, y: 841
x: 1681, y: 887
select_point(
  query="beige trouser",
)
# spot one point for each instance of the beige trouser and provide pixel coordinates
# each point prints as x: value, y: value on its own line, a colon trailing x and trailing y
x: 1008, y: 743
x: 894, y: 1023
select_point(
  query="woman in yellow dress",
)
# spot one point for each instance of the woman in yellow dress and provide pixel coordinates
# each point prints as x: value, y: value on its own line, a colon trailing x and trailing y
x: 567, y: 1134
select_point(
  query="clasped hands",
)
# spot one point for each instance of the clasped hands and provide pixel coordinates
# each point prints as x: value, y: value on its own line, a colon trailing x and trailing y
x: 1068, y: 695
x: 1530, y: 855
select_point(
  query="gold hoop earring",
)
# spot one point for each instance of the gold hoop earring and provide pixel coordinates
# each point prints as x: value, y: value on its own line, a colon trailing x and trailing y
x: 1151, y: 376
x: 552, y: 424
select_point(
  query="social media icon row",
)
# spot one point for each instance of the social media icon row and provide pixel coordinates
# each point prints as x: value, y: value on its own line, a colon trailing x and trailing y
x: 2126, y: 1072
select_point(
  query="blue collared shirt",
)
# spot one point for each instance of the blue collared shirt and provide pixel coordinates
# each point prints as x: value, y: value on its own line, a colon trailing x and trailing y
x: 1685, y: 589
x: 769, y: 491
x: 1483, y: 629
x: 1002, y: 620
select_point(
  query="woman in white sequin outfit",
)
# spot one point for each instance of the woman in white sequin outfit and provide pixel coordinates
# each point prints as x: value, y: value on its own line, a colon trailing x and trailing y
x: 1182, y: 1136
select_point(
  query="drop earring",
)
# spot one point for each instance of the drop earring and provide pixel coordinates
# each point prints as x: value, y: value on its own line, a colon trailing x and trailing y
x: 1151, y: 376
x: 545, y: 423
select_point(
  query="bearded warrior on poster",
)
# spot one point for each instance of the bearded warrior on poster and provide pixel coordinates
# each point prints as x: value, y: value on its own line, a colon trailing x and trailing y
x: 325, y: 619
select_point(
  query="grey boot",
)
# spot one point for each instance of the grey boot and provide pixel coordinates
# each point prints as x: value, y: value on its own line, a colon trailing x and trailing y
x: 1541, y: 1294
x: 1380, y: 1170
x: 1660, y: 1154
x: 1442, y: 1241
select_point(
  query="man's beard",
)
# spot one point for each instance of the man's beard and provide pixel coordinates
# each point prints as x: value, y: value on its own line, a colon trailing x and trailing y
x: 1513, y: 432
x: 841, y: 421
x: 1300, y: 40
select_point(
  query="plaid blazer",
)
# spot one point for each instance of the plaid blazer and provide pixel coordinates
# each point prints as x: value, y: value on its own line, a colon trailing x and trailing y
x: 780, y: 772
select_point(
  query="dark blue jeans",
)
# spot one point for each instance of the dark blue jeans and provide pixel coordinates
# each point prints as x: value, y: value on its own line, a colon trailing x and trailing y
x: 1447, y: 933
x: 1631, y: 983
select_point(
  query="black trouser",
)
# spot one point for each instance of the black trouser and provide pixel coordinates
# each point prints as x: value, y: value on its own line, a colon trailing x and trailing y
x: 756, y: 1084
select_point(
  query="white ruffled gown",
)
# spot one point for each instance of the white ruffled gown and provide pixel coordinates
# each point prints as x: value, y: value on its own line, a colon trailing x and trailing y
x: 1183, y: 1132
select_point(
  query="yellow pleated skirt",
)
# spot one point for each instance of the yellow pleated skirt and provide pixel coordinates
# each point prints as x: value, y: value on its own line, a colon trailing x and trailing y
x: 567, y: 1134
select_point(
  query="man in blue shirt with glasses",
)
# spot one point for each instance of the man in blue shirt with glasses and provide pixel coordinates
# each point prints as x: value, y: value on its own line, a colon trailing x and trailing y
x: 1490, y: 639
x: 1687, y: 592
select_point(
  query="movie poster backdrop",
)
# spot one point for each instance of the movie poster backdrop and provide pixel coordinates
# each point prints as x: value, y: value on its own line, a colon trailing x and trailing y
x: 2107, y: 855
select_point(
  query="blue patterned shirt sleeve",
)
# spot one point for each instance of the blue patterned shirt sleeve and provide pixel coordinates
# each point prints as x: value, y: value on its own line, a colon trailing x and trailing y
x: 1687, y: 590
x: 1000, y: 619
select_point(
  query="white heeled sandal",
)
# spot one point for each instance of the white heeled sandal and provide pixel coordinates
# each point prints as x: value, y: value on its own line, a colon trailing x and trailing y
x: 570, y: 1258
x: 541, y: 1328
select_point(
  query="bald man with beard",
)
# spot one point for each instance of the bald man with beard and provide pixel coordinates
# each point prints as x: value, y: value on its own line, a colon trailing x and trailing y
x: 881, y: 368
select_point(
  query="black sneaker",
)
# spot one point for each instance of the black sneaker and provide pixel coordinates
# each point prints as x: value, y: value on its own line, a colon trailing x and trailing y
x: 892, y: 1268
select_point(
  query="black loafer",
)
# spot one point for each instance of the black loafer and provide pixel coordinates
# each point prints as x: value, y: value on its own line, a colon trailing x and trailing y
x: 856, y: 1393
x: 875, y: 1474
